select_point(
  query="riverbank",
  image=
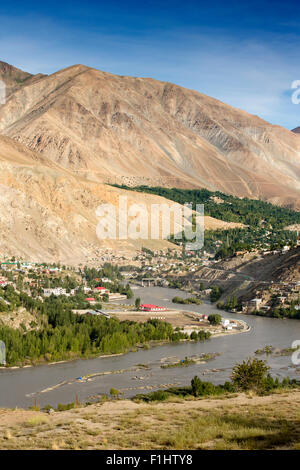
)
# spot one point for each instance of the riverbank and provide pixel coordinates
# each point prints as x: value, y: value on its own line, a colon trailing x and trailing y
x: 185, y: 320
x: 244, y: 328
x: 19, y: 387
x: 236, y: 422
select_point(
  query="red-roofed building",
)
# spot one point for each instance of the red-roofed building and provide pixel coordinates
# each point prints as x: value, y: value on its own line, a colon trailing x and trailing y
x: 101, y: 290
x: 151, y: 308
x: 90, y: 299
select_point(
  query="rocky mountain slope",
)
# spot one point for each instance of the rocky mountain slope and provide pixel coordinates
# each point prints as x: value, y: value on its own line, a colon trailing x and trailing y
x: 49, y: 214
x: 137, y: 130
x: 289, y: 269
x: 243, y: 275
x: 63, y: 136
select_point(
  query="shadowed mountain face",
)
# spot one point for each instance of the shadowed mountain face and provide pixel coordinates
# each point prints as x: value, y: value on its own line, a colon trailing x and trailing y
x: 109, y: 128
x: 296, y: 130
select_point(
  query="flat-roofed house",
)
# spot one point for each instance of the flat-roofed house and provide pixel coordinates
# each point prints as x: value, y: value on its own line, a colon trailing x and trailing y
x: 151, y: 308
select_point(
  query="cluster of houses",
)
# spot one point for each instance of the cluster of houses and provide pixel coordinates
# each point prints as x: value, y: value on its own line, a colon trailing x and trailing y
x: 276, y: 294
x: 265, y: 251
x: 33, y: 273
x: 100, y: 290
x: 228, y: 325
x: 26, y: 266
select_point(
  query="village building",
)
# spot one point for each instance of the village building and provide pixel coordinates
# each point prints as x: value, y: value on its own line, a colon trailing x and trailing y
x: 57, y: 291
x: 101, y: 290
x: 151, y: 308
x: 255, y: 303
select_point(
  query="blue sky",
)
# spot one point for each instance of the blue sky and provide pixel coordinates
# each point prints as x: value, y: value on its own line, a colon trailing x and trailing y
x: 243, y: 53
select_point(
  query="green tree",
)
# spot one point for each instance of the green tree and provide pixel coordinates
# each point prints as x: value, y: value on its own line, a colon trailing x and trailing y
x: 200, y: 388
x: 250, y: 374
x: 114, y: 392
x: 194, y: 336
x: 214, y: 319
x: 216, y: 293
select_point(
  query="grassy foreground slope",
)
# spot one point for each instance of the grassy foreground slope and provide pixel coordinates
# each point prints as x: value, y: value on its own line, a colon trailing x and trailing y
x: 239, y: 422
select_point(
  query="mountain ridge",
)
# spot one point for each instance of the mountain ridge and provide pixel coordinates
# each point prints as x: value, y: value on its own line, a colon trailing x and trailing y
x: 135, y: 130
x: 64, y: 137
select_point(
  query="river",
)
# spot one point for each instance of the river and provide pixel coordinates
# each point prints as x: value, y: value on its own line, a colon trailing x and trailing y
x: 56, y: 383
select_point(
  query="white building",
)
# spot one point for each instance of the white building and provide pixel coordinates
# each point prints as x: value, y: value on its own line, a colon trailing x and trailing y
x: 255, y: 303
x: 55, y: 291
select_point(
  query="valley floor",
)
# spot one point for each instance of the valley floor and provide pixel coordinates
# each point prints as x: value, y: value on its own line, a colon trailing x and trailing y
x: 237, y: 422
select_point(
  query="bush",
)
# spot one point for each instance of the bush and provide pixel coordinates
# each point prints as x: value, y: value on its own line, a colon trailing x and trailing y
x: 194, y: 335
x: 214, y: 319
x: 250, y: 375
x: 66, y: 407
x: 158, y: 395
x: 114, y: 393
x: 200, y: 388
x: 216, y: 293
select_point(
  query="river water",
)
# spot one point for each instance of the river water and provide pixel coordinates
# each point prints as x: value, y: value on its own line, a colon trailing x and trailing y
x: 57, y: 383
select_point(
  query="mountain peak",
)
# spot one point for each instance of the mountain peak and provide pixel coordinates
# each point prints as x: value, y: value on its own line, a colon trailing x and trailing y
x: 12, y: 77
x: 142, y: 131
x: 9, y: 70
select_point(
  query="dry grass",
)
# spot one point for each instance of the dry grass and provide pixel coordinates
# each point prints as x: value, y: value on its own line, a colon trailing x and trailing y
x: 36, y: 421
x: 239, y: 422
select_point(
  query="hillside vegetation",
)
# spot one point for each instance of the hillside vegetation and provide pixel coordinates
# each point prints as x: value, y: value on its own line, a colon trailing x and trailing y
x: 264, y: 223
x: 226, y: 207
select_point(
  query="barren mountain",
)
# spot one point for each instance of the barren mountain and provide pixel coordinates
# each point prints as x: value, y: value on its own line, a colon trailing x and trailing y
x: 65, y: 135
x: 15, y: 78
x: 110, y: 128
x: 49, y: 214
x: 296, y: 130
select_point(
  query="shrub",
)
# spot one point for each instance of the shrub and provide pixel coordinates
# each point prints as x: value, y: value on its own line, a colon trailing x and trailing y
x: 67, y: 406
x: 250, y: 374
x: 158, y: 395
x: 200, y: 388
x: 214, y: 319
